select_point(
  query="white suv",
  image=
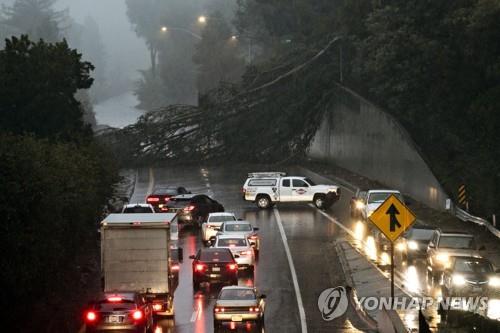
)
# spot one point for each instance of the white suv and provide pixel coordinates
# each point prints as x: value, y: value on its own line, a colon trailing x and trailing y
x: 268, y: 188
x: 210, y: 228
x: 366, y: 202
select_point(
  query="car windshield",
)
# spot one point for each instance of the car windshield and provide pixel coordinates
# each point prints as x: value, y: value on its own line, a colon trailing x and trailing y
x: 137, y: 210
x: 473, y: 266
x: 221, y: 218
x: 380, y: 197
x: 457, y: 242
x: 237, y: 294
x: 106, y: 306
x: 420, y: 234
x: 232, y: 242
x: 238, y: 227
x: 216, y: 256
x: 309, y: 181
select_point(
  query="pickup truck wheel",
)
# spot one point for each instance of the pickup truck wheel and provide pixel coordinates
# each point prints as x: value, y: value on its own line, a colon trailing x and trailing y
x: 320, y: 201
x: 263, y: 201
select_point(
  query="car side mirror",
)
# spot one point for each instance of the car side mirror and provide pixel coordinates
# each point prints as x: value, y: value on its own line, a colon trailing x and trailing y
x: 217, y: 229
x: 192, y: 257
x: 482, y: 248
x: 262, y: 296
x: 432, y: 246
x: 255, y: 229
x: 240, y: 219
x: 236, y: 256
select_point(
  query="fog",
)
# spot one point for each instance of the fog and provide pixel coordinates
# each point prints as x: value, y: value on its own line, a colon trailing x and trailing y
x: 124, y: 50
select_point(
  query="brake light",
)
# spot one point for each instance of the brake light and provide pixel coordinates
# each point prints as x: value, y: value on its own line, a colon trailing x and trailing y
x: 114, y: 299
x: 167, y: 199
x: 217, y: 309
x: 152, y: 199
x: 91, y: 316
x: 189, y: 208
x: 199, y: 267
x: 175, y: 268
x: 157, y: 307
x: 137, y: 315
x: 232, y: 267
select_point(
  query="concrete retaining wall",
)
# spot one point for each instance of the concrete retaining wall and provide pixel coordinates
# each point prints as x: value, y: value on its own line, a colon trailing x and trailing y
x: 360, y: 137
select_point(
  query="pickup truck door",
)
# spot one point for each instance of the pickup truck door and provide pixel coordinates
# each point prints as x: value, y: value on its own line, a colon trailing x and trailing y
x: 285, y: 189
x: 301, y: 190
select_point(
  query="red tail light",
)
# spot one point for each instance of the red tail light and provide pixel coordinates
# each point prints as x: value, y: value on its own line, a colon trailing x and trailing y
x: 199, y: 267
x: 232, y: 267
x: 137, y: 315
x: 189, y: 208
x: 152, y: 199
x: 90, y: 316
x: 167, y: 199
x: 217, y: 309
x: 175, y: 268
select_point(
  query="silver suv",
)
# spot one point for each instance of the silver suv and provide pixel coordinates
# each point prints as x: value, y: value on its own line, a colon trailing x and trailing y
x: 444, y: 245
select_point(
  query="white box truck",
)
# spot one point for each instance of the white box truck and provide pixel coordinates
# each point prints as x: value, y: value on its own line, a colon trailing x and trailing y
x: 136, y: 255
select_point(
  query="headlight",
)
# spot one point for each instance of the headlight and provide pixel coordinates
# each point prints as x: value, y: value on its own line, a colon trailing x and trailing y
x: 412, y: 245
x: 458, y: 280
x: 494, y: 282
x: 360, y: 205
x: 442, y: 258
x: 400, y: 246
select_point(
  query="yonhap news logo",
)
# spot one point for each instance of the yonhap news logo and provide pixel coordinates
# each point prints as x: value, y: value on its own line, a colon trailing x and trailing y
x: 332, y: 303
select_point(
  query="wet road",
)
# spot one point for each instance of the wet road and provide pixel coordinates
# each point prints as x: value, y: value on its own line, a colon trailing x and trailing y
x: 307, y: 233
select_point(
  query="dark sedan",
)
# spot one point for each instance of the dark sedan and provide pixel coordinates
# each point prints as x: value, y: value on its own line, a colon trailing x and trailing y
x: 414, y: 242
x: 193, y: 208
x: 470, y: 276
x: 214, y: 265
x: 114, y: 312
x: 161, y: 195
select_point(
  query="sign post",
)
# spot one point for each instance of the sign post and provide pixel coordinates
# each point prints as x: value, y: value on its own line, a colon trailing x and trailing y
x: 392, y: 218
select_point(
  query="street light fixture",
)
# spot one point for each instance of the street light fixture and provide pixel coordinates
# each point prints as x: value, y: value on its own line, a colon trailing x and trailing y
x: 202, y: 19
x: 164, y: 29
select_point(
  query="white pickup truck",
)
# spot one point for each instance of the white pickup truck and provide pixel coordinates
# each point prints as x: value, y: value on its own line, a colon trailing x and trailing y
x: 268, y: 188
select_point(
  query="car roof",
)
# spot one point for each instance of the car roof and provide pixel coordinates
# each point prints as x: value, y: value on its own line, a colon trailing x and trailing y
x: 383, y: 191
x: 237, y: 222
x: 214, y: 249
x: 137, y: 205
x: 185, y: 196
x: 223, y: 236
x: 221, y: 214
x: 238, y: 287
x: 455, y: 233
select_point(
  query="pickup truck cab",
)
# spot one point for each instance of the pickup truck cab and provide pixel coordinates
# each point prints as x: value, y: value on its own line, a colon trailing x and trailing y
x: 268, y: 188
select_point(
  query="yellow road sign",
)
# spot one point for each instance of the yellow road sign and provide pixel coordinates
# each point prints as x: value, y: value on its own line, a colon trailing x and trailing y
x: 392, y: 218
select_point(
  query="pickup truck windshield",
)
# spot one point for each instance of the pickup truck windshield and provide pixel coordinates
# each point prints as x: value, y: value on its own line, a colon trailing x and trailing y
x: 381, y: 197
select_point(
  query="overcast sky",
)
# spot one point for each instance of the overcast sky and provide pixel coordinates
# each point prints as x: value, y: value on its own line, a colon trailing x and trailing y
x: 122, y: 46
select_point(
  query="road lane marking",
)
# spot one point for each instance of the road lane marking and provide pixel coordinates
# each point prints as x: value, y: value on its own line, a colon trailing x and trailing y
x: 151, y: 181
x: 300, y: 305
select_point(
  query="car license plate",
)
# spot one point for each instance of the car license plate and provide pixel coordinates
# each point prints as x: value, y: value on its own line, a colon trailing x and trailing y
x: 236, y: 318
x: 114, y: 319
x: 215, y: 269
x: 214, y: 276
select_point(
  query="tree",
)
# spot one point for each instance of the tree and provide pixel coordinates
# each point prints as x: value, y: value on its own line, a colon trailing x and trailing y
x: 38, y: 82
x: 36, y: 18
x: 218, y: 55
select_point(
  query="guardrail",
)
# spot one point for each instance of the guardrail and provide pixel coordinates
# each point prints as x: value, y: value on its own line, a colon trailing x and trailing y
x: 466, y: 217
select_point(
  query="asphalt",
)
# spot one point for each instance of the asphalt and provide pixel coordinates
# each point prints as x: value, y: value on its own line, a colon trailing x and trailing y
x: 304, y: 247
